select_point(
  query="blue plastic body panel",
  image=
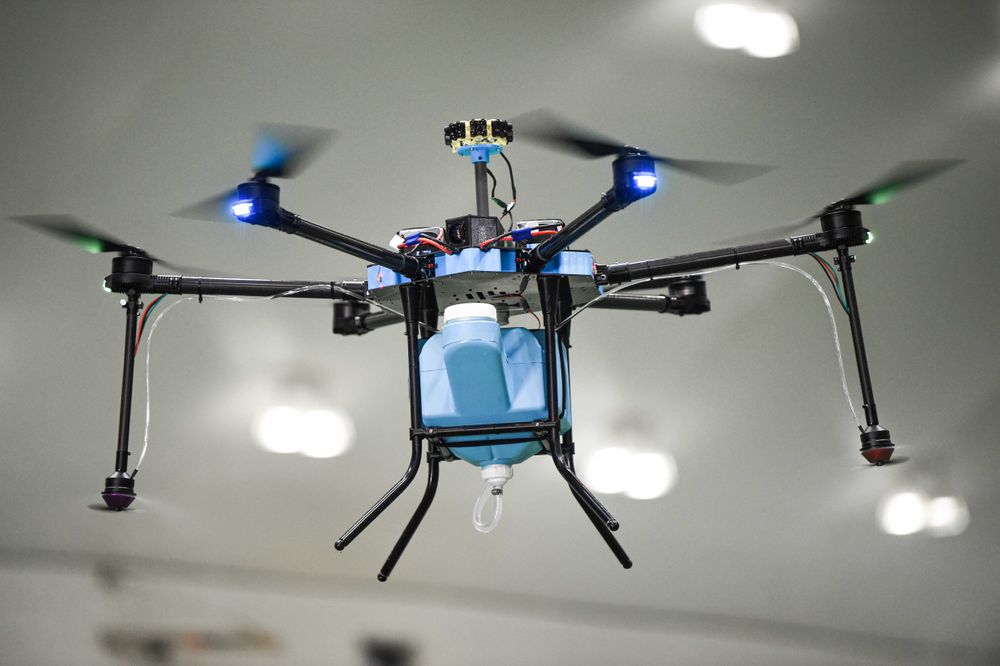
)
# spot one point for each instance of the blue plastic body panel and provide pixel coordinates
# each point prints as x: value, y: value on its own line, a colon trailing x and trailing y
x: 473, y: 372
x: 474, y: 259
x: 570, y: 263
x: 567, y: 262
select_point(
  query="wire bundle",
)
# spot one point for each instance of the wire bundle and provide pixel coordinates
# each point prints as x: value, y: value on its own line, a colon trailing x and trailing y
x: 427, y: 237
x: 517, y: 235
x: 834, y: 279
x: 507, y: 207
x: 142, y: 322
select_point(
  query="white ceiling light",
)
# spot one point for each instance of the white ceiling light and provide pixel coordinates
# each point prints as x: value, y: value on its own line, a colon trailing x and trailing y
x: 273, y: 427
x: 607, y: 471
x: 723, y: 26
x: 651, y: 475
x: 903, y: 513
x: 947, y: 516
x: 759, y: 30
x: 772, y: 34
x: 644, y: 475
x: 326, y: 433
x: 911, y: 512
x: 315, y: 433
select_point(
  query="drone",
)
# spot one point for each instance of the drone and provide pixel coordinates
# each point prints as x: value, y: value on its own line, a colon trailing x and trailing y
x: 481, y: 390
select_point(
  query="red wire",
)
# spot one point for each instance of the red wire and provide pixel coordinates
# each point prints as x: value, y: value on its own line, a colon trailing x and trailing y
x: 827, y: 269
x: 547, y: 232
x: 494, y: 240
x: 428, y: 241
x: 142, y: 323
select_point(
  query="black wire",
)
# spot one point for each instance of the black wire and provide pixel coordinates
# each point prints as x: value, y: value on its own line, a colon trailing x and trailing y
x: 491, y: 242
x: 506, y: 208
x: 493, y: 192
x: 513, y: 194
x: 510, y: 169
x: 493, y: 195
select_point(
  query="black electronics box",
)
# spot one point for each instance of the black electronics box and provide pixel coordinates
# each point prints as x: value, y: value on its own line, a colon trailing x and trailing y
x: 471, y: 230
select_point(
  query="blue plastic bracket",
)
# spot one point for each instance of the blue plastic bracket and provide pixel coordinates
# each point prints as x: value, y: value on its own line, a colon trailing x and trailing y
x: 480, y: 152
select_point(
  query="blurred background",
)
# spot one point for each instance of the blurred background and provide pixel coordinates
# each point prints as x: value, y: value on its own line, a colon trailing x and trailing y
x: 759, y: 535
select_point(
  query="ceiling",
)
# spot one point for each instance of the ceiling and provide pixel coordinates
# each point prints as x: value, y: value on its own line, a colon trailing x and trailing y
x: 768, y: 547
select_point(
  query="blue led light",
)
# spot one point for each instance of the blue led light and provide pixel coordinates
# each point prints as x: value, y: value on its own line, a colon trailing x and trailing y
x: 644, y: 180
x: 243, y: 209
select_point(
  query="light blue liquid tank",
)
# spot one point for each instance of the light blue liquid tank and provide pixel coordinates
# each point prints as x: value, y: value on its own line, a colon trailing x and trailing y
x: 474, y: 372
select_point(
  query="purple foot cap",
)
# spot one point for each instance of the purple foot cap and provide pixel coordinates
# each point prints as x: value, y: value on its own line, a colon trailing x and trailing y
x: 117, y: 501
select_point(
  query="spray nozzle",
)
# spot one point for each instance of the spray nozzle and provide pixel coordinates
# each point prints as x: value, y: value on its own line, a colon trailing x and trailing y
x: 495, y: 477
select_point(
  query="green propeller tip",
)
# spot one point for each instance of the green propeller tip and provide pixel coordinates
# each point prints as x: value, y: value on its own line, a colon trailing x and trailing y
x: 91, y: 245
x: 884, y: 195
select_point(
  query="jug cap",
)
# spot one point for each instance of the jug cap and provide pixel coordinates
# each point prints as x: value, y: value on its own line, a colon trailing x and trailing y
x: 466, y: 310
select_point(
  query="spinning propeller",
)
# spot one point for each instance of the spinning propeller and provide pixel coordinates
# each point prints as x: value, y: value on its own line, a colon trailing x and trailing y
x: 281, y: 151
x: 77, y: 232
x: 904, y: 176
x: 544, y: 127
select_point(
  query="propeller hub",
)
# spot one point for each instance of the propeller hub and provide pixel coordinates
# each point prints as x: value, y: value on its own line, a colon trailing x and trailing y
x: 635, y: 177
x: 843, y: 225
x: 135, y: 261
x: 258, y: 203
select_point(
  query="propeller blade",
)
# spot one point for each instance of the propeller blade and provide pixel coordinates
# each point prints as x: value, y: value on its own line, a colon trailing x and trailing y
x: 282, y: 151
x: 723, y: 173
x: 69, y: 228
x: 545, y: 127
x: 81, y: 234
x: 904, y: 176
x: 217, y: 208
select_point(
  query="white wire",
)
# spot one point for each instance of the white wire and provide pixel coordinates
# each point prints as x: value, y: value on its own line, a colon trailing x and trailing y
x: 149, y: 347
x: 633, y: 284
x: 251, y: 299
x: 780, y: 264
x: 833, y: 325
x: 598, y: 298
x: 156, y: 322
